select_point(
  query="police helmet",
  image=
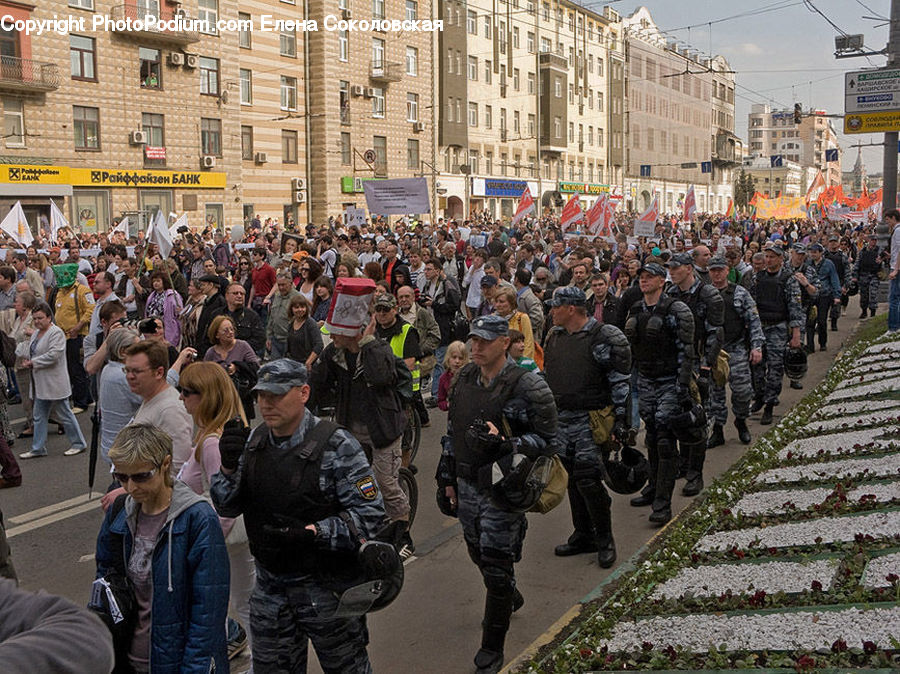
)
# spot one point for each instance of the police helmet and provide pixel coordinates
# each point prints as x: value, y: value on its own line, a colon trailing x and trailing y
x: 379, y: 582
x: 517, y: 482
x: 853, y: 288
x: 690, y: 425
x: 443, y: 503
x: 626, y: 470
x: 795, y: 362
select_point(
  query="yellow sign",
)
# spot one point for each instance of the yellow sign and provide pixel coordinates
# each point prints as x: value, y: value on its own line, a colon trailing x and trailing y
x: 780, y: 208
x: 89, y: 177
x: 872, y: 122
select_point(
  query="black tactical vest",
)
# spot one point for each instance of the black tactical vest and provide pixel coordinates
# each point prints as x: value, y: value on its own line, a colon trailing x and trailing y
x: 471, y: 401
x: 734, y: 323
x: 837, y: 259
x: 868, y: 261
x: 282, y: 488
x: 653, y: 345
x: 575, y: 378
x: 770, y: 296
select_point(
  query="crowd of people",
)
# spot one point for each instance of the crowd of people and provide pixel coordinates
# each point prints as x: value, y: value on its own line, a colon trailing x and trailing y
x: 537, y: 343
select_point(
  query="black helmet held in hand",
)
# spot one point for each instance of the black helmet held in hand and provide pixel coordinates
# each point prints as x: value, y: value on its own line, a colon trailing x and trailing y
x: 626, y: 470
x: 518, y: 482
x: 795, y: 363
x: 690, y: 425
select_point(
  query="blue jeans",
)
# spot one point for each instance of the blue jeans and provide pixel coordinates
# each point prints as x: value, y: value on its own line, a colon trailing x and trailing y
x: 279, y: 348
x: 894, y: 304
x: 42, y: 409
x: 439, y: 354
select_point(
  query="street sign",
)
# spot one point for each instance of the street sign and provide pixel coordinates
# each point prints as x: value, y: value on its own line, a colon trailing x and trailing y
x: 776, y: 160
x: 872, y: 90
x: 689, y: 165
x: 370, y: 156
x: 872, y: 122
x: 831, y: 155
x: 645, y: 170
x: 706, y: 167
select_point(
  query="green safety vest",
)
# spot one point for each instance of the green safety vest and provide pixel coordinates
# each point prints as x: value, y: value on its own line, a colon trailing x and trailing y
x: 397, y: 343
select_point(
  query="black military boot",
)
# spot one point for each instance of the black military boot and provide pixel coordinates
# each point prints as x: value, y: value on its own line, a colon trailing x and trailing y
x: 582, y: 540
x: 863, y: 313
x: 743, y: 432
x: 665, y: 483
x: 716, y: 438
x: 598, y: 505
x: 766, y: 417
x: 834, y: 325
x: 758, y: 404
x: 795, y: 384
x: 498, y: 607
x: 871, y: 312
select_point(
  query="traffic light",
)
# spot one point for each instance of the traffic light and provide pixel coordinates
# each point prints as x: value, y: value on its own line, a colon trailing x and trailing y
x: 798, y: 113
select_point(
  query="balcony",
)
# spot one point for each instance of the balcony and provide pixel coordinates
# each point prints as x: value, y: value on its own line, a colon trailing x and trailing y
x: 18, y: 74
x: 136, y: 27
x: 386, y: 71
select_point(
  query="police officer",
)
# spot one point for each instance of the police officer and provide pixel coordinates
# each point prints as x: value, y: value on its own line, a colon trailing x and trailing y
x: 661, y: 332
x: 808, y: 280
x: 302, y: 485
x: 498, y: 411
x: 777, y: 296
x: 829, y: 295
x: 842, y: 266
x: 588, y: 367
x: 865, y: 273
x: 741, y: 330
x: 708, y: 309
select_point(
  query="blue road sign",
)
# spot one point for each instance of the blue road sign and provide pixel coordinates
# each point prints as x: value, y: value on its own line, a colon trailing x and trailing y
x: 831, y: 155
x: 706, y: 166
x: 645, y: 170
x: 776, y: 160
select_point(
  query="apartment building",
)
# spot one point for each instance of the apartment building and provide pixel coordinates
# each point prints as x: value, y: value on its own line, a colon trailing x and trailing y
x: 775, y: 132
x: 679, y: 121
x: 530, y: 94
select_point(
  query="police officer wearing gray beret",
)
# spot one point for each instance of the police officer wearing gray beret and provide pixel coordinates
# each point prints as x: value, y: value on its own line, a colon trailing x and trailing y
x: 307, y: 494
x: 501, y: 416
x: 588, y: 368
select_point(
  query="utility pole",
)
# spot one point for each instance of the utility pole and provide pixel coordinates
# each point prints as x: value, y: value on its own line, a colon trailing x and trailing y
x: 889, y: 189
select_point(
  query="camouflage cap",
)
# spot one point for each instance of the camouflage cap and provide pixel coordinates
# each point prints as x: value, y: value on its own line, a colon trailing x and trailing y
x: 799, y: 248
x: 280, y: 376
x: 386, y: 300
x: 489, y: 327
x: 834, y: 237
x: 568, y: 295
x: 717, y: 262
x: 653, y: 268
x: 817, y: 247
x: 680, y: 259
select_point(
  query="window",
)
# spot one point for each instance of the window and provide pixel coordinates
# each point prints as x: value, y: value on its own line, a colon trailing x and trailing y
x: 557, y: 127
x: 545, y: 11
x: 471, y: 22
x: 517, y: 126
x: 244, y: 32
x: 377, y: 9
x: 412, y: 107
x: 412, y: 154
x: 600, y: 101
x: 501, y: 36
x: 83, y: 57
x: 208, y: 10
x: 531, y: 125
x: 344, y: 45
x: 378, y: 102
x: 82, y: 4
x: 412, y: 61
x: 450, y: 108
x: 247, y: 142
x: 211, y: 136
x: 488, y: 117
x: 87, y: 128
x: 288, y: 93
x: 14, y: 122
x: 530, y: 83
x: 571, y: 94
x: 288, y: 42
x: 473, y: 161
x: 459, y: 117
x: 412, y: 10
x: 377, y: 52
x: 487, y: 26
x: 571, y: 131
x: 515, y: 37
x: 473, y: 68
x: 459, y: 70
x: 529, y: 43
x: 488, y: 162
x: 344, y: 101
x: 153, y: 126
x: 487, y: 71
x: 516, y: 79
x: 346, y: 151
x: 379, y: 144
x: 473, y: 114
x: 599, y: 66
x: 246, y: 78
x: 546, y: 45
x: 289, y: 147
x: 450, y: 61
x: 558, y: 87
x: 209, y: 76
x: 151, y: 68
x: 502, y: 119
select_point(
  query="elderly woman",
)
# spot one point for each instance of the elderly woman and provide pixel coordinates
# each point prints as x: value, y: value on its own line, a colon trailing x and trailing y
x: 165, y: 303
x: 168, y: 541
x: 45, y: 356
x: 505, y: 306
x: 236, y: 356
x: 116, y: 399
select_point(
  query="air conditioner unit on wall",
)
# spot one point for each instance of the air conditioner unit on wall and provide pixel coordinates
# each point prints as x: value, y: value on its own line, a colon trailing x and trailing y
x: 346, y: 14
x: 370, y: 92
x: 261, y: 157
x: 137, y: 138
x: 191, y: 61
x: 176, y: 58
x: 208, y: 161
x: 419, y: 126
x: 298, y: 184
x: 357, y: 90
x: 299, y: 196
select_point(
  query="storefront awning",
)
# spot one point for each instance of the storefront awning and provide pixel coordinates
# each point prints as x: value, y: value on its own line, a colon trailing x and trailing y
x: 18, y: 190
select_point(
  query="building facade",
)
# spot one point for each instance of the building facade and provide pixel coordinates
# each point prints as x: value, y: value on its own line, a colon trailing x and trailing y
x: 679, y: 122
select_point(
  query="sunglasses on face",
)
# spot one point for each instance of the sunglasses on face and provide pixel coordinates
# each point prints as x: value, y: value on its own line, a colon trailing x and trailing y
x: 137, y: 478
x: 187, y: 392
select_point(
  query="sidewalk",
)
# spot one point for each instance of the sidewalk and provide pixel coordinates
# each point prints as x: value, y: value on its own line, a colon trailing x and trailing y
x: 790, y: 560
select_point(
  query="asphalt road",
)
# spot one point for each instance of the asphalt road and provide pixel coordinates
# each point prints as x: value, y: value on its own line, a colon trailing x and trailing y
x: 434, y: 626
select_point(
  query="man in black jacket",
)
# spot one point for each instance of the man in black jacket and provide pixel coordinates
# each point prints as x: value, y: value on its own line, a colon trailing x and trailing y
x: 441, y: 295
x: 247, y: 323
x: 214, y: 305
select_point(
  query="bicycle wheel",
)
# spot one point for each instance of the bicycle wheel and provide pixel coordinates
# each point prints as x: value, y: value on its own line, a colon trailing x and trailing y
x: 409, y: 486
x: 412, y: 435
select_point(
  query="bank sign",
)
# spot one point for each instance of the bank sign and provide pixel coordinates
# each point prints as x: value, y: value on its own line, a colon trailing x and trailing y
x: 89, y: 177
x: 504, y: 188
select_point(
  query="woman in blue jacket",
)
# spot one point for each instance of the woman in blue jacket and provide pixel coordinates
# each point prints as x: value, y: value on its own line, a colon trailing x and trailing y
x: 169, y: 542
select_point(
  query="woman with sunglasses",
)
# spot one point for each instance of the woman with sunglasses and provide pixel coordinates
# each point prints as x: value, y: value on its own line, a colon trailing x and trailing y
x: 168, y: 541
x: 310, y: 270
x: 211, y: 400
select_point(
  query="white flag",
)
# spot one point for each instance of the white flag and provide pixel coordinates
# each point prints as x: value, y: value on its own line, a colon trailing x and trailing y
x: 16, y: 225
x: 173, y: 230
x: 121, y: 227
x: 159, y: 234
x: 57, y: 220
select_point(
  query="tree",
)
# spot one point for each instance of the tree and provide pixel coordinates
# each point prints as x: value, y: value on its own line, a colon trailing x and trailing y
x: 744, y: 187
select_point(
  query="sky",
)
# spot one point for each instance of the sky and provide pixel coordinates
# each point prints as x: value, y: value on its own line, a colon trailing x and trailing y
x: 782, y: 52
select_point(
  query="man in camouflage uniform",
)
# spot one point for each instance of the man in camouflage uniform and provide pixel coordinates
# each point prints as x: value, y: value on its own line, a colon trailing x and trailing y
x: 843, y: 268
x: 661, y: 333
x: 497, y: 411
x: 742, y: 330
x: 777, y: 295
x: 303, y: 485
x: 808, y: 281
x: 707, y: 306
x: 588, y: 367
x: 865, y: 273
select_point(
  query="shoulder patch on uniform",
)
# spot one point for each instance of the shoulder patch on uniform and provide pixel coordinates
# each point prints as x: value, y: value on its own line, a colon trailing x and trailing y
x: 367, y: 488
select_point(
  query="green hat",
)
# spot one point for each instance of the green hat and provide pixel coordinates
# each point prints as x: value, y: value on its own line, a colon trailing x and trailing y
x: 65, y: 274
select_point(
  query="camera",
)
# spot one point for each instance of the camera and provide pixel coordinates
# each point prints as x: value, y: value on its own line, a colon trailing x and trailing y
x: 183, y: 229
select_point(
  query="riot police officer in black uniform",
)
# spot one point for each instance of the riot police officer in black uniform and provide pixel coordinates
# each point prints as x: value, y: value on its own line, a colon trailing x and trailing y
x: 588, y: 368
